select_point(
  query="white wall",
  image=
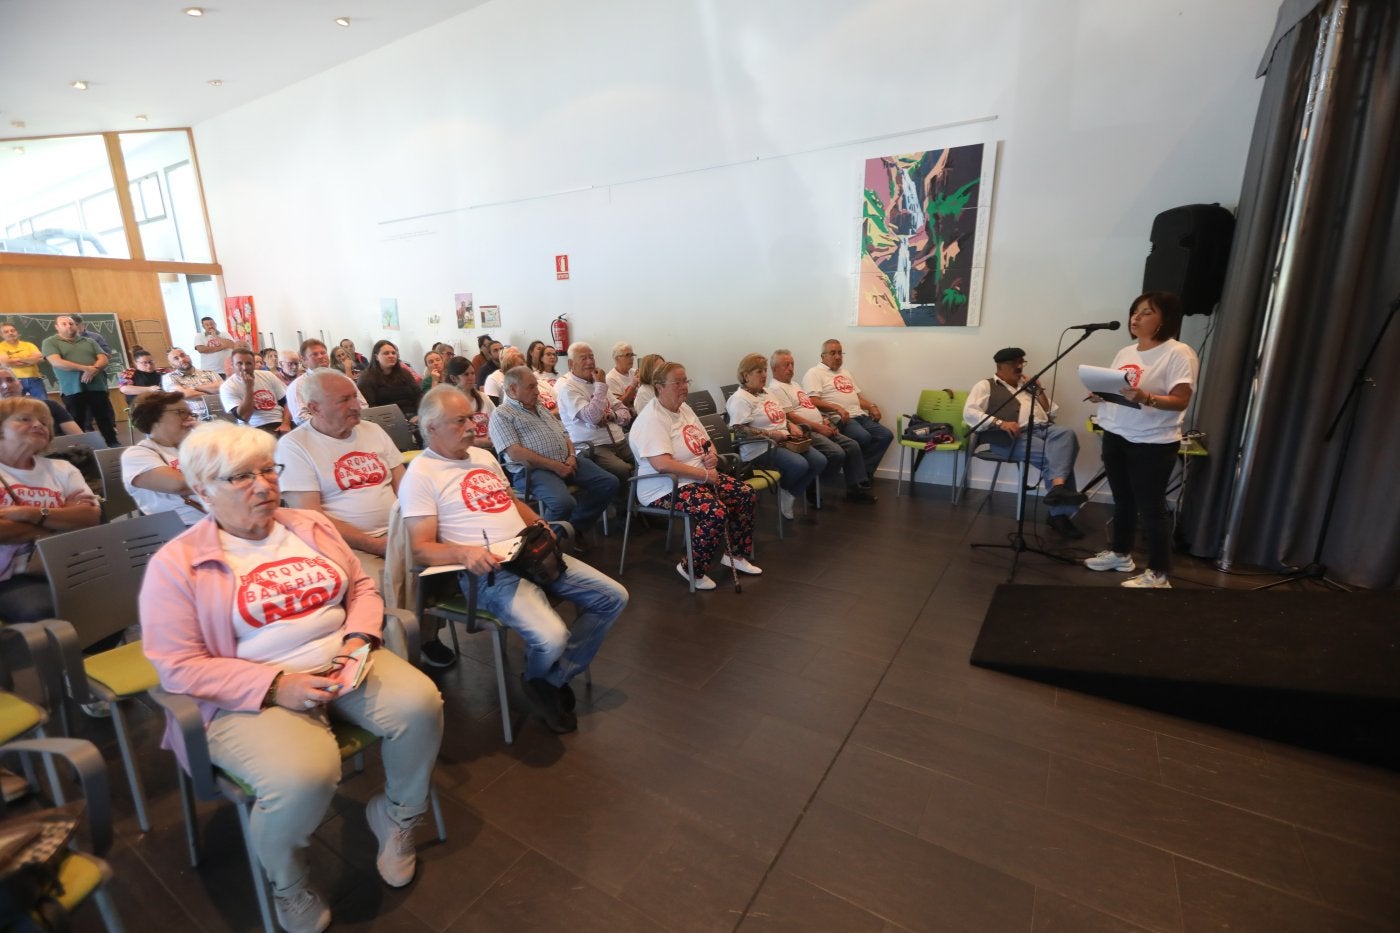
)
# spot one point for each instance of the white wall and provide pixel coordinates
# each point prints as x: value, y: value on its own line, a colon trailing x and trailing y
x: 699, y: 162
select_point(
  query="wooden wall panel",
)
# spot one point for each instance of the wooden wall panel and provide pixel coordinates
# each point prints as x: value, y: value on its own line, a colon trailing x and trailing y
x: 130, y: 295
x: 30, y: 290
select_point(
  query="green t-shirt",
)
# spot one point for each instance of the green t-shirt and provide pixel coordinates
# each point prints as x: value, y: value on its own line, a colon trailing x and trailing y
x: 84, y: 351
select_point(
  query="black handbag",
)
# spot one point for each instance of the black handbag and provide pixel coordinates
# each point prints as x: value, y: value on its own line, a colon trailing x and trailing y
x: 919, y: 431
x: 539, y: 558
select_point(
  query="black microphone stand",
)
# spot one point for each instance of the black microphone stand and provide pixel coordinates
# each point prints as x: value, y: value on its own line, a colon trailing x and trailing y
x: 1316, y: 569
x: 1017, y: 544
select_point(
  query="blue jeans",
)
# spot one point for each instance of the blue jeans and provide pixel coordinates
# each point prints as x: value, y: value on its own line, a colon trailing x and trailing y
x: 872, y: 436
x: 596, y: 488
x: 25, y: 597
x: 554, y: 651
x: 796, y: 471
x: 34, y: 388
x: 1053, y: 454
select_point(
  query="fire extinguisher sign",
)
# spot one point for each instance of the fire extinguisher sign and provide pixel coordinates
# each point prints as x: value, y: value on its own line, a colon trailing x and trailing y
x: 561, y: 266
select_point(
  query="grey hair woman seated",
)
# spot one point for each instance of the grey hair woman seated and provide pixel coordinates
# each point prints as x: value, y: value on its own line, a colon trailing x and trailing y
x: 253, y: 611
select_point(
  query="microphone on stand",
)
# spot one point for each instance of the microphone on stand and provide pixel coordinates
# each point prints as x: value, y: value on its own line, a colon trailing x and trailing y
x: 1090, y: 328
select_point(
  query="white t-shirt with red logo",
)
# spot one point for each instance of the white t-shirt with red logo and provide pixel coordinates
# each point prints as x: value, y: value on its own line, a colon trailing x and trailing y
x: 288, y: 605
x: 837, y: 388
x: 354, y: 476
x: 470, y: 497
x: 760, y: 412
x: 267, y: 389
x: 795, y: 401
x: 146, y: 456
x: 658, y: 430
x: 50, y: 484
x: 481, y: 421
x: 1159, y: 370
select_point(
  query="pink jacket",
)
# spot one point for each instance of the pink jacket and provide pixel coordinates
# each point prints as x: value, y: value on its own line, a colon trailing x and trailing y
x: 187, y: 597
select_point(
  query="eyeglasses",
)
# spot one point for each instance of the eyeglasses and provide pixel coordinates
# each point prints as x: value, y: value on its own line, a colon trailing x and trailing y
x: 678, y: 382
x: 182, y: 413
x: 244, y: 480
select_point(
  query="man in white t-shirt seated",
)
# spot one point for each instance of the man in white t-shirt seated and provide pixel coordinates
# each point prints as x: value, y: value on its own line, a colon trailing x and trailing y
x: 832, y: 389
x: 456, y: 502
x: 314, y: 356
x: 592, y: 415
x: 842, y: 454
x: 255, y: 396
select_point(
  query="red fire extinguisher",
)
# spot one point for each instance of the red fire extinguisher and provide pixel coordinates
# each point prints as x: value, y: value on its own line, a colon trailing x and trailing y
x: 559, y: 330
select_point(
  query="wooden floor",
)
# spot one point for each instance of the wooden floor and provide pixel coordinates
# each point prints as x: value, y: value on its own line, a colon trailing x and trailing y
x: 816, y: 754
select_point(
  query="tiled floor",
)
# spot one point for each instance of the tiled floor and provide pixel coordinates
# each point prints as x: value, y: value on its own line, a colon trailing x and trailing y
x: 816, y: 754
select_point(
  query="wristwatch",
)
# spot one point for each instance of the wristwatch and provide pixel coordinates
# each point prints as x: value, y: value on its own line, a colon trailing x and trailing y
x: 43, y: 516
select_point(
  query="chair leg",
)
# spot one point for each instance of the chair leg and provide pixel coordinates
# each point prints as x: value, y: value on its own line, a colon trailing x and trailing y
x: 626, y: 533
x: 187, y: 805
x: 110, y: 918
x: 498, y: 647
x: 133, y: 776
x: 437, y: 814
x: 260, y: 883
x: 899, y: 477
x: 689, y: 551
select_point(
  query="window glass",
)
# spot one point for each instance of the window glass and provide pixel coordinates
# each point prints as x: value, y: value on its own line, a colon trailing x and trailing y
x: 165, y: 195
x: 43, y: 185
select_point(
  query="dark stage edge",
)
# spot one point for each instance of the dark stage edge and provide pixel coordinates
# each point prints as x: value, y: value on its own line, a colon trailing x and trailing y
x: 1315, y: 669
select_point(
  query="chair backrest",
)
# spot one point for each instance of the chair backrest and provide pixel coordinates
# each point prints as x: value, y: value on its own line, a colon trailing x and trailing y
x: 719, y: 433
x: 90, y: 439
x: 945, y: 405
x: 392, y: 420
x: 116, y: 501
x: 95, y: 573
x: 729, y: 390
x: 702, y: 402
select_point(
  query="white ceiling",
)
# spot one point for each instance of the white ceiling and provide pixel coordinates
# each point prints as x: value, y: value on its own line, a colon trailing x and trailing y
x: 148, y: 57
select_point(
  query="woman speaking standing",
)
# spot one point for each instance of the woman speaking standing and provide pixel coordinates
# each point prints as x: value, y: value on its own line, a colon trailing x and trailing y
x: 1140, y: 445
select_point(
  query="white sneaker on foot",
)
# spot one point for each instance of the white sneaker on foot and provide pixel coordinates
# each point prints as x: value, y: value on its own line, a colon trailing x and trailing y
x: 1148, y: 580
x: 398, y: 856
x: 301, y: 910
x: 741, y: 564
x: 1111, y: 560
x: 702, y: 582
x: 785, y: 503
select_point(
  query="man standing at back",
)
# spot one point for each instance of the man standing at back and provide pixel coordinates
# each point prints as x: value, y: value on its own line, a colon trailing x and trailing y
x: 215, y: 347
x: 832, y: 389
x: 22, y: 357
x: 80, y: 366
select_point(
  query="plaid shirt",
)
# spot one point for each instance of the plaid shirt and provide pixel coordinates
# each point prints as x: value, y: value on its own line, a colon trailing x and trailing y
x: 537, y: 430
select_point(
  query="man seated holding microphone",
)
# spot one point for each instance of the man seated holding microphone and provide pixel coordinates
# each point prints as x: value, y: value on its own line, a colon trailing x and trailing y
x: 1005, y: 430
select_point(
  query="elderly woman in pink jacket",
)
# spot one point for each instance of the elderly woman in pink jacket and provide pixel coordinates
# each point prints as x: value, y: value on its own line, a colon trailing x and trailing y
x: 263, y: 614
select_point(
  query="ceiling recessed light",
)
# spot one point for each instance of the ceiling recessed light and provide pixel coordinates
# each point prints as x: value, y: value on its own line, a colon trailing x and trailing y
x: 342, y: 21
x: 17, y: 124
x: 216, y: 82
x: 194, y: 11
x: 141, y: 118
x: 18, y: 150
x: 78, y: 85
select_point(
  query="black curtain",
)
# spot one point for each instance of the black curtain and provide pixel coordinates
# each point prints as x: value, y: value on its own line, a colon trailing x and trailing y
x: 1337, y: 295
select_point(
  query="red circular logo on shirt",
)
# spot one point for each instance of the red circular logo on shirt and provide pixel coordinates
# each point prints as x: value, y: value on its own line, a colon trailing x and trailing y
x: 843, y: 383
x: 358, y: 469
x: 803, y: 400
x: 287, y: 589
x: 695, y: 439
x: 39, y: 497
x: 263, y: 400
x: 484, y: 491
x: 1134, y: 372
x: 481, y: 422
x: 774, y: 411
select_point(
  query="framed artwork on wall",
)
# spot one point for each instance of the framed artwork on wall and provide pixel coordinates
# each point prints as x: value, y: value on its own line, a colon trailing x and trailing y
x: 924, y: 221
x: 466, y: 314
x: 389, y: 313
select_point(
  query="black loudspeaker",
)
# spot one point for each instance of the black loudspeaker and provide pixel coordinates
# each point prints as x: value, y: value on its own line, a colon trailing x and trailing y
x: 1190, y: 251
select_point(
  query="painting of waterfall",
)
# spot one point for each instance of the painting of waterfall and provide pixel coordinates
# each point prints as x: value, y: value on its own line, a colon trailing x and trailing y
x: 923, y: 237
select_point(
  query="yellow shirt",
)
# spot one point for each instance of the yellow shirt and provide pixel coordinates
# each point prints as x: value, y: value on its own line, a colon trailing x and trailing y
x: 22, y: 348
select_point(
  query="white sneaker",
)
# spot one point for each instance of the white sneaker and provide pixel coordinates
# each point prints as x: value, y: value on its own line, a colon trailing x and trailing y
x: 398, y: 856
x: 1111, y: 560
x: 785, y: 503
x: 702, y: 582
x: 741, y: 564
x: 1148, y: 580
x: 301, y: 910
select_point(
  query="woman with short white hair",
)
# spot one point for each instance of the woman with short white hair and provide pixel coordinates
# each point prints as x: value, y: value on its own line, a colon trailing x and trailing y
x: 264, y: 615
x: 622, y: 378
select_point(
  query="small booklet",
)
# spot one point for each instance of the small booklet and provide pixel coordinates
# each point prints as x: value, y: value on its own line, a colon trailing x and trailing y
x: 504, y: 550
x: 1106, y: 383
x: 349, y: 670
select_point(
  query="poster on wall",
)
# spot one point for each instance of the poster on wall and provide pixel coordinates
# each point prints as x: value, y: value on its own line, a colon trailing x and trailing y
x: 242, y: 320
x: 466, y: 314
x: 924, y: 221
x: 389, y: 313
x: 490, y: 315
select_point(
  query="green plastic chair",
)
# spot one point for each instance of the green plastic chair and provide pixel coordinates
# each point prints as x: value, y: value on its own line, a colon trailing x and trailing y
x: 934, y: 405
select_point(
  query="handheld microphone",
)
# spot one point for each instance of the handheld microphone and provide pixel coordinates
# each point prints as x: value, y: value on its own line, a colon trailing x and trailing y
x: 1090, y: 328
